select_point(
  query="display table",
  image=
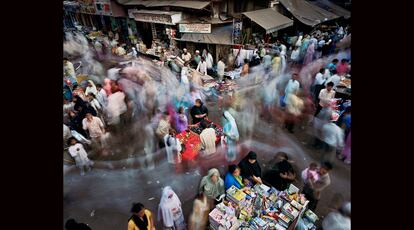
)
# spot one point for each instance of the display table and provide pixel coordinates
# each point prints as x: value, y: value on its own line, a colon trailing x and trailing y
x: 192, y: 144
x: 191, y: 140
x: 261, y: 207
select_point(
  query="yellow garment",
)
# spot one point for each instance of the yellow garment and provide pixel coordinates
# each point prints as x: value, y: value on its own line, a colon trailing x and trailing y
x: 276, y: 63
x: 133, y: 226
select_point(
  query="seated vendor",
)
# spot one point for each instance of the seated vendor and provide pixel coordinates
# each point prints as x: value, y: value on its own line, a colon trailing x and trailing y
x: 250, y: 169
x: 212, y: 185
x: 233, y: 178
x: 198, y: 111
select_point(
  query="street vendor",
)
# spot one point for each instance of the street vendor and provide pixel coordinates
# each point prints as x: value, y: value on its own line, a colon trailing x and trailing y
x: 233, y: 178
x: 250, y: 169
x: 198, y: 111
x: 212, y: 185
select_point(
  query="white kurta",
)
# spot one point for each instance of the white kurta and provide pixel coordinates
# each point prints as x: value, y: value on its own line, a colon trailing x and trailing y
x: 81, y: 157
x: 173, y: 149
x: 116, y: 107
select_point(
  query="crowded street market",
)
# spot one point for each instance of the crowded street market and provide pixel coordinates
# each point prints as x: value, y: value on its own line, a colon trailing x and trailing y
x: 199, y: 115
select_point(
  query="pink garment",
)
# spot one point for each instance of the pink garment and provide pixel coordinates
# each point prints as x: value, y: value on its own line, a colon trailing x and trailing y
x: 309, y: 54
x: 107, y: 86
x: 342, y: 68
x: 305, y: 178
x: 346, y: 152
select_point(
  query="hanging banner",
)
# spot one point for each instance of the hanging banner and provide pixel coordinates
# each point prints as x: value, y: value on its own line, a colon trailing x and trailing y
x: 103, y: 7
x: 237, y: 31
x: 195, y: 28
x: 87, y: 6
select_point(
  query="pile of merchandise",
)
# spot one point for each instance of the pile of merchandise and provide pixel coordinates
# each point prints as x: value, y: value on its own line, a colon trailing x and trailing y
x: 262, y: 208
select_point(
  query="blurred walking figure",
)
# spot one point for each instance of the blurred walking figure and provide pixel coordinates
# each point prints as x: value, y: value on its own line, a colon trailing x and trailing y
x: 169, y: 210
x: 77, y: 151
x: 340, y: 219
x: 199, y: 215
x: 172, y: 147
x: 231, y: 136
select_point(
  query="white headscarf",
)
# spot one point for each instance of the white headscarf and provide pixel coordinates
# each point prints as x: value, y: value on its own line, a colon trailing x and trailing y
x: 169, y: 201
x: 91, y: 89
x: 299, y: 41
x: 230, y: 126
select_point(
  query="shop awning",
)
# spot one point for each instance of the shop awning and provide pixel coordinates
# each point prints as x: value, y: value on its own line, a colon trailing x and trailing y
x: 269, y: 19
x: 332, y: 7
x: 156, y: 16
x: 221, y: 35
x: 185, y: 4
x: 308, y: 13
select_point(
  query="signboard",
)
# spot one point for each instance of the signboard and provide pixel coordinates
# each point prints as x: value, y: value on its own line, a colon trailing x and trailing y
x: 154, y: 18
x: 103, y: 7
x: 195, y: 28
x: 87, y: 6
x: 237, y: 31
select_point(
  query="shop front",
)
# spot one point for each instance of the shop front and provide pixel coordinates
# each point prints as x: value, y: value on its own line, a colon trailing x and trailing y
x: 162, y: 25
x: 269, y: 22
x: 217, y: 38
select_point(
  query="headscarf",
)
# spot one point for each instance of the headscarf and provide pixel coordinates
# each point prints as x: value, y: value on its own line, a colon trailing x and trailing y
x: 79, y: 103
x: 91, y: 89
x: 210, y: 189
x: 247, y: 169
x: 169, y: 201
x: 230, y: 126
x: 299, y: 41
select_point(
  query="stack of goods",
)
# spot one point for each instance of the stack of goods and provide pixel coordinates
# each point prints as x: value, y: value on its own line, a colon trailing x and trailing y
x: 221, y: 219
x: 235, y: 195
x: 262, y: 207
x: 259, y: 224
x: 309, y: 220
x: 290, y: 211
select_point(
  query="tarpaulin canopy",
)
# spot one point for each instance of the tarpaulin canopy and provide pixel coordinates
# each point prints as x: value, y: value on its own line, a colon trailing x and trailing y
x: 221, y: 35
x: 185, y: 4
x: 269, y: 19
x: 308, y: 13
x: 332, y: 7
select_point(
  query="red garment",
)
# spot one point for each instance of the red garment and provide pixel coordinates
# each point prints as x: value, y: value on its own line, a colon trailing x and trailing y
x: 192, y: 144
x: 342, y: 68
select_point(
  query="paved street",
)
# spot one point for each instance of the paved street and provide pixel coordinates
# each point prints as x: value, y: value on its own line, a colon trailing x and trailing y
x: 103, y: 197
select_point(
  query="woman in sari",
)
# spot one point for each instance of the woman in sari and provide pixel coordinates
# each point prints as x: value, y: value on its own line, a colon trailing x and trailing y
x: 231, y: 136
x: 233, y: 178
x: 169, y: 210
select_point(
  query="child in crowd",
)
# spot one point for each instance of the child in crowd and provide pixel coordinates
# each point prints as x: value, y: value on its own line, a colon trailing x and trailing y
x: 310, y: 173
x: 77, y: 151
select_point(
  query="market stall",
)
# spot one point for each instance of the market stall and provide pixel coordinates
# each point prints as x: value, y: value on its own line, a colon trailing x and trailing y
x: 191, y: 140
x: 262, y: 207
x: 343, y: 90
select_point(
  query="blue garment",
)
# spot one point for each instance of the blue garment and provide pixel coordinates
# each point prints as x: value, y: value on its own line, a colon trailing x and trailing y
x: 229, y: 180
x: 331, y: 66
